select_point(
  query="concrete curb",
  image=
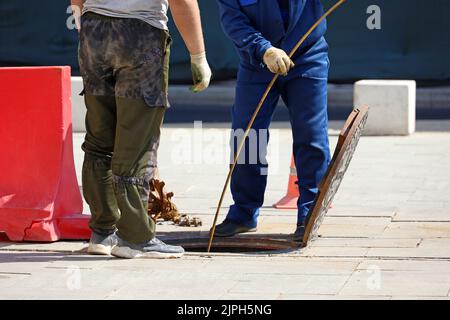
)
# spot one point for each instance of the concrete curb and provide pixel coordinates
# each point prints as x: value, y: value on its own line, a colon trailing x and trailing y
x: 339, y: 95
x: 221, y: 95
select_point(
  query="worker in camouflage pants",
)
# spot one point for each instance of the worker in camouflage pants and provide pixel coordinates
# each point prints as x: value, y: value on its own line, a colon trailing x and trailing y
x: 124, y: 61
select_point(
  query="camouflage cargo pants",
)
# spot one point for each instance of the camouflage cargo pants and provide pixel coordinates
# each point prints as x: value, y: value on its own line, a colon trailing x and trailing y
x: 124, y: 64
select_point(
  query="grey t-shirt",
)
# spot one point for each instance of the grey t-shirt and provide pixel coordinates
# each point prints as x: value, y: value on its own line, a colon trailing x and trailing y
x: 153, y: 12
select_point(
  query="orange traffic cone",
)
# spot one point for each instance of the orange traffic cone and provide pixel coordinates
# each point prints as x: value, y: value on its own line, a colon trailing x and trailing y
x: 289, y: 201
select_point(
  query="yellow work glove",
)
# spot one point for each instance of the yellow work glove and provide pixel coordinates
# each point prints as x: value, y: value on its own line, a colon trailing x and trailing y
x: 201, y: 73
x: 277, y: 61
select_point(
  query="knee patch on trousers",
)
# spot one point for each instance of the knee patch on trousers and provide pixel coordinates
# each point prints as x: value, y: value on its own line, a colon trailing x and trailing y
x: 97, y: 155
x: 142, y: 184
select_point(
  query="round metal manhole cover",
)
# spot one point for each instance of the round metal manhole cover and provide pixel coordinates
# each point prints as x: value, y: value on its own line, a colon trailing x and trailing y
x: 236, y: 245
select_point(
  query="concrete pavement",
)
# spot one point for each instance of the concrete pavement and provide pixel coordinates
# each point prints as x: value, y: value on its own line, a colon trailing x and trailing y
x: 386, y: 237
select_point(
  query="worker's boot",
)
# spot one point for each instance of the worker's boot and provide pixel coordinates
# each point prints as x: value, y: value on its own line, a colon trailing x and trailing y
x: 299, y: 232
x: 229, y: 229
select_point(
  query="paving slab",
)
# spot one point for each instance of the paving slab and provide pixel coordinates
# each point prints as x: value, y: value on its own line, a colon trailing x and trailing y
x: 409, y: 253
x: 362, y: 211
x: 291, y: 284
x: 435, y: 243
x: 366, y: 242
x: 375, y: 282
x: 60, y: 246
x: 429, y: 195
x: 438, y: 266
x: 436, y: 248
x: 194, y: 285
x: 417, y: 229
x: 330, y: 252
x: 422, y: 213
x: 353, y: 226
x: 280, y: 266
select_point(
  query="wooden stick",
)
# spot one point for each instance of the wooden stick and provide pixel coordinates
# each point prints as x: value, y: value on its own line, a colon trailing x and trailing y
x: 255, y: 114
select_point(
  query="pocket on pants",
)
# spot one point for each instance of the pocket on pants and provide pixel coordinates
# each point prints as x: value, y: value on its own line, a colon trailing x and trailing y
x: 167, y: 43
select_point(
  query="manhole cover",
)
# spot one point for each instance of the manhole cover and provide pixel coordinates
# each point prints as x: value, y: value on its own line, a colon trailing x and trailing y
x: 348, y: 140
x: 236, y: 245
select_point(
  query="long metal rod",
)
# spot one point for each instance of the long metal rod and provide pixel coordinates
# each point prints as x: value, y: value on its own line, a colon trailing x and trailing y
x: 255, y: 114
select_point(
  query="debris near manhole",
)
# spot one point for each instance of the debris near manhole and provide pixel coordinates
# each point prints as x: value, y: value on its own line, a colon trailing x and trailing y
x: 188, y: 221
x: 161, y: 208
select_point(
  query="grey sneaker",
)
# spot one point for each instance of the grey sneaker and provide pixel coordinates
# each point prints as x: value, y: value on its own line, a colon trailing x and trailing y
x: 102, y: 244
x: 155, y: 248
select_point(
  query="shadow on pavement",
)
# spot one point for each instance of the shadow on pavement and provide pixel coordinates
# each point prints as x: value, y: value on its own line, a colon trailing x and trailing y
x: 42, y: 256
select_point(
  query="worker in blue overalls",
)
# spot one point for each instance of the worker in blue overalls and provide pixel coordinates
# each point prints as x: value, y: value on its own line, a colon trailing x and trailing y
x: 264, y: 31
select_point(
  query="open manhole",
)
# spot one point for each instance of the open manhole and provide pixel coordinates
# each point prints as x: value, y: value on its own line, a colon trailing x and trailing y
x: 236, y: 245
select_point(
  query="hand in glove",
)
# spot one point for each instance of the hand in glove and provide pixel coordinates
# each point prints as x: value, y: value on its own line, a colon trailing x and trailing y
x: 278, y: 61
x: 201, y: 73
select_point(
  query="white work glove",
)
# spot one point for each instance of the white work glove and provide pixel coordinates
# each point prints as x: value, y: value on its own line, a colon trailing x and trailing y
x: 278, y: 61
x: 201, y: 73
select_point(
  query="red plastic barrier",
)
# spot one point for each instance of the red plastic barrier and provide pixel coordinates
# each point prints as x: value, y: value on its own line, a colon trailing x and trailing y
x: 39, y: 195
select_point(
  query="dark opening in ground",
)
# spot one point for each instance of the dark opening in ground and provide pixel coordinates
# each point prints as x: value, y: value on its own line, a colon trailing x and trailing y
x: 236, y: 245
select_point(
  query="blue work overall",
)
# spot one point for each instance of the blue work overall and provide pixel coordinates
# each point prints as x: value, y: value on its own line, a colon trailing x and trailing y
x: 254, y: 26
